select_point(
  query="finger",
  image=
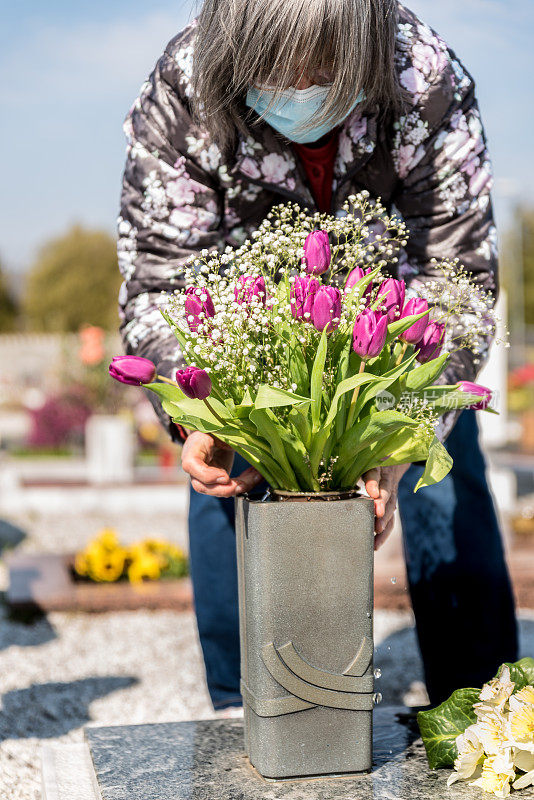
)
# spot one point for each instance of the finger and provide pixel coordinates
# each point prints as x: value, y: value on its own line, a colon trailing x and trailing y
x: 380, y: 538
x: 372, y: 480
x: 248, y: 480
x: 389, y: 513
x: 196, y: 466
x: 215, y: 489
x: 381, y: 505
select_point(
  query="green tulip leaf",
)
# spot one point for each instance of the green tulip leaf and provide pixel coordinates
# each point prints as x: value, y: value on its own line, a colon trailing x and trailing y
x: 267, y: 426
x: 440, y: 726
x: 271, y: 397
x: 426, y: 374
x: 166, y: 391
x: 368, y: 431
x: 400, y: 325
x: 348, y: 385
x: 317, y: 377
x: 438, y: 465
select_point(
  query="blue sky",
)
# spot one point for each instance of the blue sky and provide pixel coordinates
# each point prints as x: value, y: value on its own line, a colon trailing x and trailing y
x: 69, y: 72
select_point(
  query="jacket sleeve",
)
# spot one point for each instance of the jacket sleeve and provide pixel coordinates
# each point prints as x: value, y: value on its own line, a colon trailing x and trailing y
x: 171, y: 207
x: 442, y: 162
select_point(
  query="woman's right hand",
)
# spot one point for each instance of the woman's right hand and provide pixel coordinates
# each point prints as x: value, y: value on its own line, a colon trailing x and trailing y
x: 209, y: 461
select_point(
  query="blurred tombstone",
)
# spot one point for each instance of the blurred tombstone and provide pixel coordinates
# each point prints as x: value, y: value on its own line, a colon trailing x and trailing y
x: 109, y: 449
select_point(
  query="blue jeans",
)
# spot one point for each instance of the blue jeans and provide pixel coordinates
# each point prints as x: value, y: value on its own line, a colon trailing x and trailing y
x: 459, y: 583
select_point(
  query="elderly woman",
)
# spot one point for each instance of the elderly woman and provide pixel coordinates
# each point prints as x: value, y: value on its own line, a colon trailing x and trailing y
x: 263, y: 101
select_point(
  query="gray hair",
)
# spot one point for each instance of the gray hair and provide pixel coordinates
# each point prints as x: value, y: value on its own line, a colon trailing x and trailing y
x: 271, y: 42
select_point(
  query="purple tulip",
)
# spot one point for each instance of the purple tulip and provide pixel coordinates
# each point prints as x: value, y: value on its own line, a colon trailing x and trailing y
x: 133, y: 370
x: 326, y: 311
x: 393, y: 301
x: 356, y: 275
x: 481, y: 391
x: 431, y: 342
x: 194, y: 382
x: 250, y: 286
x: 369, y: 333
x: 302, y: 294
x: 317, y: 253
x: 198, y: 306
x: 414, y: 333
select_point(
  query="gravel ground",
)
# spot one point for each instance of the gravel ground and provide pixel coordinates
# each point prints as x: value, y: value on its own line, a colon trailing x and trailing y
x: 69, y: 670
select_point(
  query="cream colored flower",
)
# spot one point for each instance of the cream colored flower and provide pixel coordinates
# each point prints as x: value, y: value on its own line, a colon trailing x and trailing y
x: 526, y: 694
x: 524, y: 761
x: 493, y: 778
x: 491, y: 729
x: 497, y: 691
x: 470, y: 754
x: 520, y: 724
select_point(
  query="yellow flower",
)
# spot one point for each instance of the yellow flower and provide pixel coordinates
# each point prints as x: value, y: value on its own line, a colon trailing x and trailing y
x: 80, y: 563
x: 107, y: 566
x: 107, y: 539
x: 144, y: 567
x: 176, y: 552
x: 496, y: 777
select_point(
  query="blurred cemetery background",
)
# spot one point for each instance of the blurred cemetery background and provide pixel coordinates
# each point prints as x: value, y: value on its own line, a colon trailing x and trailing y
x: 79, y: 453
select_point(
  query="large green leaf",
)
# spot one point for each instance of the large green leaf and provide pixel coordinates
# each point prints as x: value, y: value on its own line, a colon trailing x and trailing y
x: 317, y: 376
x: 271, y: 397
x: 522, y: 673
x: 425, y: 375
x: 438, y: 465
x: 440, y: 726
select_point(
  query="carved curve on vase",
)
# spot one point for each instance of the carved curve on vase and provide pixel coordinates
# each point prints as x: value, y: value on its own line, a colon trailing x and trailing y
x: 363, y: 658
x: 331, y: 680
x: 298, y: 687
x: 273, y: 707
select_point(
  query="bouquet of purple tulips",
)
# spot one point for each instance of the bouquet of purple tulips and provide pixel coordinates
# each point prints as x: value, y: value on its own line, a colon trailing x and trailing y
x: 308, y: 360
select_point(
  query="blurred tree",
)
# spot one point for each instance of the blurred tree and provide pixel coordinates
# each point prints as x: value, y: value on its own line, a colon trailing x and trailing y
x: 8, y: 307
x: 517, y: 275
x: 74, y: 282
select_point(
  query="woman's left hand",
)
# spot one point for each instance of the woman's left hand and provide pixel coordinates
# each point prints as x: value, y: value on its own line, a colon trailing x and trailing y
x: 382, y: 483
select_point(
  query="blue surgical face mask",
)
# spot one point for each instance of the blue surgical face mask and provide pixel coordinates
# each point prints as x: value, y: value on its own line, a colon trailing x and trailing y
x: 293, y: 109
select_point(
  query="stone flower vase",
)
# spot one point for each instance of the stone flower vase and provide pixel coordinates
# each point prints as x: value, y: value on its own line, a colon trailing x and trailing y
x: 305, y: 568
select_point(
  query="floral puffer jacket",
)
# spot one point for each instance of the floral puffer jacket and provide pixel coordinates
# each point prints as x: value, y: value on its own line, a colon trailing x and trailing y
x: 181, y: 195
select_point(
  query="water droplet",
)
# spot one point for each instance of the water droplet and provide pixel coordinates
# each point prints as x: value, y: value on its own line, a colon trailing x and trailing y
x: 378, y: 673
x: 369, y: 615
x: 393, y: 580
x: 377, y: 698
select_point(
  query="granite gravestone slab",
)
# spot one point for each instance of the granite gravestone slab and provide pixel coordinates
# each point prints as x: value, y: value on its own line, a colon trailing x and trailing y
x: 205, y: 761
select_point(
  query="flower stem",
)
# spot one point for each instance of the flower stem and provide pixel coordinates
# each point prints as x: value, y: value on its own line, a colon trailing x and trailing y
x: 167, y: 380
x: 352, y: 409
x: 401, y: 354
x: 223, y: 422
